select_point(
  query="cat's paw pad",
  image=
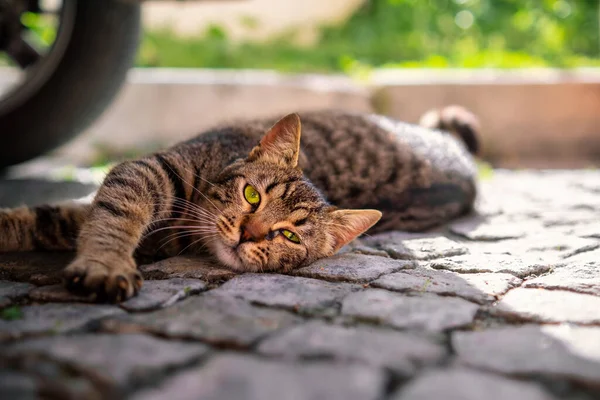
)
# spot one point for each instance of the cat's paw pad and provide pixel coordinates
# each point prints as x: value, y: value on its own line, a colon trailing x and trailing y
x: 109, y: 281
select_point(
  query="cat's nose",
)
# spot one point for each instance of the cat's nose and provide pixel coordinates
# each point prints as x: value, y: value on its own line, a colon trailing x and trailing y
x: 253, y: 232
x: 245, y: 236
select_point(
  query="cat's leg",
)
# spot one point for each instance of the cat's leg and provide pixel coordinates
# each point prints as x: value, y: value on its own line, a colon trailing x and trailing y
x: 42, y: 227
x: 132, y: 197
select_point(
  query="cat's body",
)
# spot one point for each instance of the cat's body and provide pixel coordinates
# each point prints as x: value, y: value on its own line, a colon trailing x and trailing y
x: 259, y: 211
x: 417, y: 177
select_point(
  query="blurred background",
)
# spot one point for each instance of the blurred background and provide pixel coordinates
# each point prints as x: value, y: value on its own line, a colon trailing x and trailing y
x: 348, y: 35
x: 527, y: 68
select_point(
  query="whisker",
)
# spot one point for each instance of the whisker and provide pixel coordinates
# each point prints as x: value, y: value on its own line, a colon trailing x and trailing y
x: 198, y: 176
x: 181, y: 219
x: 199, y: 224
x: 202, y: 229
x: 209, y: 241
x: 191, y: 244
x: 191, y: 232
x: 188, y: 206
x: 182, y: 235
x: 169, y: 227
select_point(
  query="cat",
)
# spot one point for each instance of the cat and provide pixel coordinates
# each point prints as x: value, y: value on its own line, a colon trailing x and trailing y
x: 272, y: 206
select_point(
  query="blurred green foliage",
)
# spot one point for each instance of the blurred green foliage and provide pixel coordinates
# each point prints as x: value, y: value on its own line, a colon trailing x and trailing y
x: 408, y: 33
x: 11, y: 313
x: 40, y: 31
x: 43, y: 27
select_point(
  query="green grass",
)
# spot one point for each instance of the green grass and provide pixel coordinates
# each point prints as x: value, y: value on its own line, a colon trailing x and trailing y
x: 485, y: 170
x: 405, y: 34
x: 162, y: 48
x: 11, y: 313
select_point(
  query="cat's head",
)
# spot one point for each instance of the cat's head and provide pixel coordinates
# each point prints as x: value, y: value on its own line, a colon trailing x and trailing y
x: 271, y: 217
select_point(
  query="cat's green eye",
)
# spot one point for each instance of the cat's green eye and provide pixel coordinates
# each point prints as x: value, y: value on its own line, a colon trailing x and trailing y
x: 252, y: 196
x: 290, y: 235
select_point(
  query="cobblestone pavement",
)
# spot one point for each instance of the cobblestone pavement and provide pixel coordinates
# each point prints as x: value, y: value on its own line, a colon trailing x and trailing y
x: 500, y: 305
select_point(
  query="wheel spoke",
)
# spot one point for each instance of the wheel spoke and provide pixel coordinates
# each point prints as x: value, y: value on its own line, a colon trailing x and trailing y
x: 22, y: 53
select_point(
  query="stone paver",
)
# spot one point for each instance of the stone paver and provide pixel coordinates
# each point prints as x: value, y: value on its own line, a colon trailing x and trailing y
x: 503, y: 303
x: 367, y: 250
x: 235, y: 377
x: 10, y: 291
x: 586, y: 249
x: 294, y: 293
x: 158, y: 294
x: 477, y: 287
x: 18, y: 386
x: 563, y: 245
x: 391, y: 237
x: 427, y: 312
x: 37, y: 268
x: 427, y: 248
x: 584, y: 257
x: 120, y: 360
x: 490, y: 228
x: 353, y: 268
x: 590, y: 230
x: 581, y: 341
x: 399, y: 351
x: 532, y: 351
x: 222, y: 320
x: 53, y: 318
x: 464, y: 384
x: 568, y: 218
x: 578, y: 277
x: 58, y: 293
x: 542, y: 305
x: 519, y: 266
x: 187, y: 267
x: 153, y: 295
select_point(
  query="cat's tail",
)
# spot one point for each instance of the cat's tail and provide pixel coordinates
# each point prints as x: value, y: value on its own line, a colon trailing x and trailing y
x: 457, y: 120
x: 41, y: 228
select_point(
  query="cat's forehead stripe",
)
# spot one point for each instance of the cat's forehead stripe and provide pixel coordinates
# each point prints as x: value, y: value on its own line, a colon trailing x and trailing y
x: 231, y: 177
x: 300, y: 222
x: 276, y: 183
x: 308, y: 209
x: 289, y: 189
x: 271, y: 186
x: 300, y: 213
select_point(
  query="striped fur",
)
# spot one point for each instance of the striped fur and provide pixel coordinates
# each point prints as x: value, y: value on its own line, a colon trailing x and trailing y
x: 191, y: 198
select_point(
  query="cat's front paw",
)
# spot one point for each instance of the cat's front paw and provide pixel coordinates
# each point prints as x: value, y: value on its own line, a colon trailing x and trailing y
x: 110, y: 280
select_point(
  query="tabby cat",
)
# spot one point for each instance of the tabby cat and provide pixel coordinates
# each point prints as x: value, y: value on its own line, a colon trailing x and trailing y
x: 271, y: 206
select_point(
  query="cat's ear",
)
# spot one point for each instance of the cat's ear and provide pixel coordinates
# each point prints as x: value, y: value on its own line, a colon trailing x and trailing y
x: 347, y: 225
x: 281, y: 144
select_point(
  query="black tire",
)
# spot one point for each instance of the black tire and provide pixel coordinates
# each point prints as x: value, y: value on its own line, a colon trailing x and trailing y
x: 100, y: 51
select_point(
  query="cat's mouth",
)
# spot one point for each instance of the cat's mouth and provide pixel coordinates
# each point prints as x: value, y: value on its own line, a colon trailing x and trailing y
x: 229, y: 256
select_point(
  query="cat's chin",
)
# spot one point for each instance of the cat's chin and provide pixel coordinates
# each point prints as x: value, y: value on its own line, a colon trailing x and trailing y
x: 230, y: 258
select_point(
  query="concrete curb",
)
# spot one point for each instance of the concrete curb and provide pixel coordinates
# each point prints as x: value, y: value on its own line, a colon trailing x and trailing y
x: 528, y: 116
